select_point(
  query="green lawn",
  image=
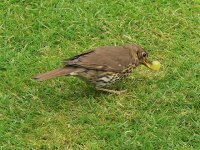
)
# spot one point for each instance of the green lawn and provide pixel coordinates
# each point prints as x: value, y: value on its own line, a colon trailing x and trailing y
x: 161, y: 110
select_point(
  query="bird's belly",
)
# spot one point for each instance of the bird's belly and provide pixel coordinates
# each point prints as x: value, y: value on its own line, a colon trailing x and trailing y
x: 105, y: 80
x: 109, y: 79
x: 102, y: 78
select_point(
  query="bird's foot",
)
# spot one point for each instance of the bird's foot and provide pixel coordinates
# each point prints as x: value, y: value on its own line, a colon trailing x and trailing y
x: 111, y: 91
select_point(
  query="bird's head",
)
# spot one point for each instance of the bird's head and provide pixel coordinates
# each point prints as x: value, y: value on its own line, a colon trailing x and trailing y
x: 142, y: 56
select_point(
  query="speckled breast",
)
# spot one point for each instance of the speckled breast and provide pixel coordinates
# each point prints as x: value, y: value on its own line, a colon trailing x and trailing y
x: 111, y: 77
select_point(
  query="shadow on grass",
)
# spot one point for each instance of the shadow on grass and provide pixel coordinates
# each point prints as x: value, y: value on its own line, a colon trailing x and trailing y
x: 57, y: 94
x: 76, y: 90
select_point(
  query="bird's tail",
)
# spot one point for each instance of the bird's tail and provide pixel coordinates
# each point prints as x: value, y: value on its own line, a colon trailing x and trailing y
x: 53, y: 73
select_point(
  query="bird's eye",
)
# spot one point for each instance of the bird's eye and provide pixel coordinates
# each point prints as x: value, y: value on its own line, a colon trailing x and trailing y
x: 144, y: 54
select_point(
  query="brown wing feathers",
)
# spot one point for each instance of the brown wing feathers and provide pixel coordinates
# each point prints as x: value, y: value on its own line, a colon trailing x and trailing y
x: 106, y: 58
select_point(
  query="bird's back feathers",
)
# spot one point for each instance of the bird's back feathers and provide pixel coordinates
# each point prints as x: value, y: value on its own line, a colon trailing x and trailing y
x: 106, y: 58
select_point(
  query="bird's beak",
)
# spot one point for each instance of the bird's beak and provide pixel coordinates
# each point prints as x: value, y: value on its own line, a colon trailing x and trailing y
x: 147, y: 63
x: 155, y: 65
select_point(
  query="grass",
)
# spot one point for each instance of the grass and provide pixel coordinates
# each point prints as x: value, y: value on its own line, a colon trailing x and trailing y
x: 160, y: 110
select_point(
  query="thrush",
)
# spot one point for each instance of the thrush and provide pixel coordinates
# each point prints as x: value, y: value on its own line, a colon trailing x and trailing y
x: 102, y: 66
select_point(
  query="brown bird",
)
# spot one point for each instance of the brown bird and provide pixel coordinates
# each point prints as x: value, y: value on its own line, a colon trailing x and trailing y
x: 102, y: 66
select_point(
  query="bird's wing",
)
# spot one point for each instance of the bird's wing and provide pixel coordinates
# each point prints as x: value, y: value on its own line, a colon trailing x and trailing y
x: 107, y: 58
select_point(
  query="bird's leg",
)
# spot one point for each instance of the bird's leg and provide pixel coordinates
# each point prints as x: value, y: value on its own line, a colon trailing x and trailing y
x: 110, y: 91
